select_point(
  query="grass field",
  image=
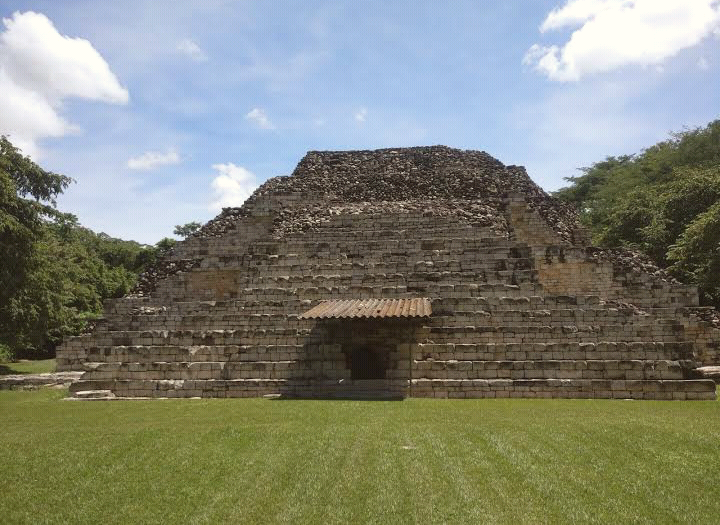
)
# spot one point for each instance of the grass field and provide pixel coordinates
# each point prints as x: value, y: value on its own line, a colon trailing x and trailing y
x: 28, y: 367
x: 413, y: 461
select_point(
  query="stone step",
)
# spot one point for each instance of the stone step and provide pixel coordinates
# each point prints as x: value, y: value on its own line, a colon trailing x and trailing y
x: 384, y: 229
x: 283, y: 335
x: 373, y: 246
x: 392, y: 231
x: 549, y: 311
x: 460, y: 388
x: 167, y: 293
x: 246, y: 387
x: 415, y: 278
x: 94, y: 394
x: 292, y: 331
x: 317, y: 293
x: 292, y: 303
x: 708, y: 372
x: 553, y: 369
x: 438, y: 351
x: 565, y: 388
x: 293, y: 264
x: 389, y: 252
x: 401, y: 242
x: 240, y: 320
x: 496, y: 304
x: 410, y: 219
x: 577, y: 317
x: 94, y: 355
x: 452, y: 369
x: 249, y: 319
x: 630, y: 331
x: 301, y: 369
x: 201, y: 370
x: 128, y: 310
x: 478, y: 255
x: 603, y: 350
x: 518, y: 301
x: 265, y: 262
x: 286, y: 316
x: 33, y: 381
x: 239, y: 310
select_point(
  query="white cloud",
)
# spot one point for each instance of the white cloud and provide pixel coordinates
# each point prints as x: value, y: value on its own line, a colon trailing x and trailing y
x: 27, y: 115
x: 703, y: 64
x: 617, y: 33
x: 361, y: 115
x: 233, y: 186
x: 153, y: 159
x: 577, y: 12
x: 39, y: 68
x: 259, y: 117
x: 192, y: 50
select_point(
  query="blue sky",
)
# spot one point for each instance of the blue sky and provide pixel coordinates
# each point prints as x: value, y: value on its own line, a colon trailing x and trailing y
x: 165, y: 111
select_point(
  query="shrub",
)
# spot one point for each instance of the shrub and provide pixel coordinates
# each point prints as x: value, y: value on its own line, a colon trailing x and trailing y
x: 6, y: 354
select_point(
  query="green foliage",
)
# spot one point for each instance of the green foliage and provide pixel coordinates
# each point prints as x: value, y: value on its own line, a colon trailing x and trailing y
x: 6, y: 354
x: 163, y: 246
x: 73, y: 270
x: 696, y: 255
x: 22, y: 222
x: 186, y: 230
x: 54, y: 274
x: 21, y: 219
x: 29, y: 178
x: 662, y: 202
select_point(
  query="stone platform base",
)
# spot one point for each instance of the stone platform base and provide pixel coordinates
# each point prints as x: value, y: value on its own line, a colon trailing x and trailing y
x: 33, y: 381
x: 709, y: 372
x: 701, y: 389
x: 566, y: 388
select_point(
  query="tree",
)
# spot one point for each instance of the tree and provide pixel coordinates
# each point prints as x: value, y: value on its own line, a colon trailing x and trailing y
x: 663, y: 201
x: 164, y: 245
x: 186, y: 230
x: 602, y: 185
x: 54, y: 273
x: 696, y: 255
x: 27, y: 198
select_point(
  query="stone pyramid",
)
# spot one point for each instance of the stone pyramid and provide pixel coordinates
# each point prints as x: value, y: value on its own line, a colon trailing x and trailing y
x: 424, y: 271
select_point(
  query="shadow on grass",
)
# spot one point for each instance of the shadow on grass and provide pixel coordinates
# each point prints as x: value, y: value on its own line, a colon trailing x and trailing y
x: 6, y: 370
x: 26, y: 367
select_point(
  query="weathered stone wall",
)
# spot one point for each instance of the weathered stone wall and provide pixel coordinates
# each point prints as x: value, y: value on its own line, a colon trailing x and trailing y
x: 573, y: 271
x: 521, y: 306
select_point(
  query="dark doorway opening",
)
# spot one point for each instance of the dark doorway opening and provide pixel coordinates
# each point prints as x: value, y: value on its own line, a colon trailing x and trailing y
x: 366, y: 363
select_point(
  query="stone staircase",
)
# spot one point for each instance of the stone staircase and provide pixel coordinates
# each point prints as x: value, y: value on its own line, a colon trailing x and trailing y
x: 494, y: 332
x: 501, y: 327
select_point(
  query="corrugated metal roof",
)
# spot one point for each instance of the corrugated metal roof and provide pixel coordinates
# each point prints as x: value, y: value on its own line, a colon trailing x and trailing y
x: 370, y: 308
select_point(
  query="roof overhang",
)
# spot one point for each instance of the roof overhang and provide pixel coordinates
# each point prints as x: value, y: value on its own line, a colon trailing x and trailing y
x: 370, y: 309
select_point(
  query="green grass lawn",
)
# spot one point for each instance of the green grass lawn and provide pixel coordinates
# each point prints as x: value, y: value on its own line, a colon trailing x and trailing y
x: 413, y: 461
x: 28, y: 367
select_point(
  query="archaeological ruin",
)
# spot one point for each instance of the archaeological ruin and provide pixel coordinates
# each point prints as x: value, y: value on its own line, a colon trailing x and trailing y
x: 428, y: 271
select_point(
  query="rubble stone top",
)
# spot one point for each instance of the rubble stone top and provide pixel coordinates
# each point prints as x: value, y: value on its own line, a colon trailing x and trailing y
x: 427, y: 173
x: 402, y: 174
